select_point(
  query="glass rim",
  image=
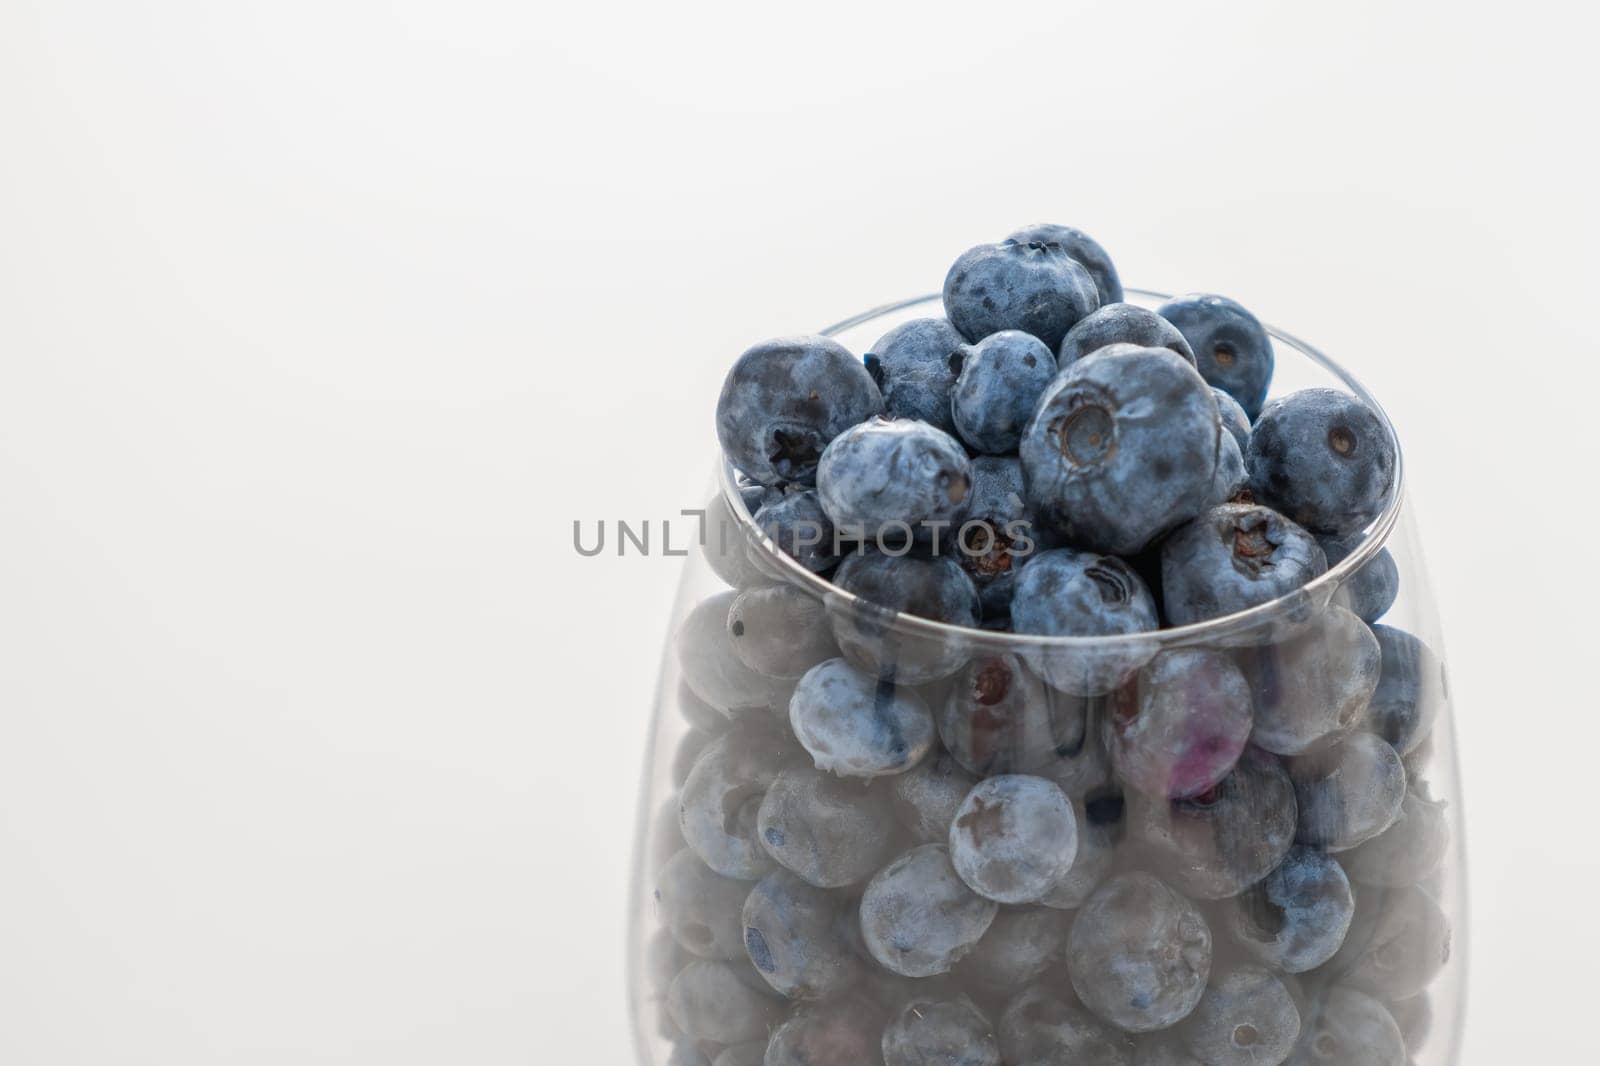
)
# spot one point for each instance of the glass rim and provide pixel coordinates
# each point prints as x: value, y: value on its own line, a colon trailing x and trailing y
x: 1321, y: 590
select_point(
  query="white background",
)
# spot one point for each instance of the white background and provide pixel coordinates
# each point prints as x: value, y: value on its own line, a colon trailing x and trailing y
x: 320, y: 323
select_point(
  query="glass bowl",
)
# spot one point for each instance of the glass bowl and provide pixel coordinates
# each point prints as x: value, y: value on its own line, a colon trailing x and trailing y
x: 1309, y: 908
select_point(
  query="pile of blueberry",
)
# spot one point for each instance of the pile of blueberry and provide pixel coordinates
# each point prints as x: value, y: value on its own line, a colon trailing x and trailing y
x: 903, y: 845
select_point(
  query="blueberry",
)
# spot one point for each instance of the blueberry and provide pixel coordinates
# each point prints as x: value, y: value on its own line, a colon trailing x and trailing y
x: 1122, y: 449
x: 1230, y: 346
x: 699, y: 906
x: 1001, y: 378
x: 1181, y: 727
x: 1409, y: 851
x: 830, y: 831
x: 1163, y: 1050
x: 870, y: 634
x: 894, y: 480
x: 1232, y: 558
x: 663, y: 958
x: 940, y: 1032
x: 915, y: 365
x: 997, y: 536
x: 690, y: 745
x: 1414, y: 1016
x: 1014, y: 837
x: 998, y: 718
x: 667, y: 1029
x: 1314, y: 686
x: 799, y: 937
x: 857, y: 726
x: 799, y: 528
x: 846, y: 1031
x: 1372, y: 589
x: 1295, y: 918
x: 1063, y: 592
x: 785, y: 400
x: 751, y: 1054
x: 1067, y: 593
x: 1120, y: 323
x: 780, y: 631
x: 918, y: 917
x: 1397, y: 944
x: 1348, y: 792
x: 710, y: 667
x: 1220, y: 842
x: 687, y: 1055
x: 714, y: 1001
x: 1022, y: 942
x: 1324, y: 459
x: 1234, y: 420
x: 727, y: 547
x: 1139, y: 953
x: 1411, y: 689
x: 1034, y: 287
x: 927, y: 796
x: 1231, y: 478
x: 1082, y: 247
x: 698, y: 713
x: 720, y: 801
x: 1039, y: 1028
x: 1247, y: 1017
x: 1100, y: 825
x: 1346, y: 1028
